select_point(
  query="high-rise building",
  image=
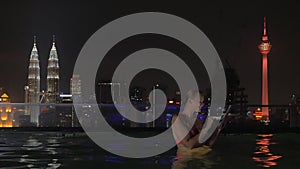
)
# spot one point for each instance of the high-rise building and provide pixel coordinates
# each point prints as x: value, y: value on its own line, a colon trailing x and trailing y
x: 75, y: 85
x: 32, y: 90
x: 265, y: 48
x: 52, y: 92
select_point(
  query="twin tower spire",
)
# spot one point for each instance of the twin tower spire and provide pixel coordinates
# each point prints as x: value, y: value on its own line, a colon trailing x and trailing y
x: 33, y: 94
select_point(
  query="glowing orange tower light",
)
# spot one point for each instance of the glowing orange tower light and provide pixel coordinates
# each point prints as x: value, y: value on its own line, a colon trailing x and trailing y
x: 265, y: 48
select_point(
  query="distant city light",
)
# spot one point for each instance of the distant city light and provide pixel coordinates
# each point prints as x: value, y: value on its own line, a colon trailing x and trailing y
x: 65, y: 95
x: 169, y: 115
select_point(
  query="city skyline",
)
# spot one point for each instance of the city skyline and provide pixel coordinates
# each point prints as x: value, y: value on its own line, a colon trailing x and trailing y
x: 235, y: 33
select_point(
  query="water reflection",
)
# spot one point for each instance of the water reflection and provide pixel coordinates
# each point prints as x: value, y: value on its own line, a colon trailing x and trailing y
x: 32, y: 144
x: 29, y: 150
x: 263, y: 155
x: 49, y: 151
x: 197, y: 158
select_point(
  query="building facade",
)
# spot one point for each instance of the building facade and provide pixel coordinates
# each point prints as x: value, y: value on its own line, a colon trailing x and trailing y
x: 6, y: 114
x: 75, y: 85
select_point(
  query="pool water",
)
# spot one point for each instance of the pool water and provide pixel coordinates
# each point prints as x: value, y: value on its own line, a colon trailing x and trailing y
x: 75, y: 150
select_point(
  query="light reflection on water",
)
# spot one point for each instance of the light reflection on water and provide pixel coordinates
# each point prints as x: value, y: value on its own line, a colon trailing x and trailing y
x: 263, y: 155
x: 28, y: 150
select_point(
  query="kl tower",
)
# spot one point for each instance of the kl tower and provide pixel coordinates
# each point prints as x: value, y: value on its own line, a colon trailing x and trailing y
x: 264, y: 49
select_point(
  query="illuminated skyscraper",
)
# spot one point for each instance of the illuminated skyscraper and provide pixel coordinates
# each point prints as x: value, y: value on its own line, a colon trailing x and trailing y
x: 75, y: 85
x: 52, y: 92
x: 265, y: 48
x: 33, y: 89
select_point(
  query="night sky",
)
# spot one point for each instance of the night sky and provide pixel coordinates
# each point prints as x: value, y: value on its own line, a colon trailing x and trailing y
x: 235, y: 29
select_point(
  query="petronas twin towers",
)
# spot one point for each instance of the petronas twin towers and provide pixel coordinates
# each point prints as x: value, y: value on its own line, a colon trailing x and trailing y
x: 33, y: 94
